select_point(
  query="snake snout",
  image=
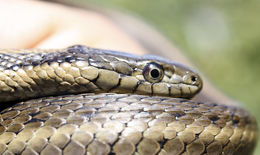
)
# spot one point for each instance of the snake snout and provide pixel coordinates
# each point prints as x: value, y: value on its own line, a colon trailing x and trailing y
x: 194, y: 80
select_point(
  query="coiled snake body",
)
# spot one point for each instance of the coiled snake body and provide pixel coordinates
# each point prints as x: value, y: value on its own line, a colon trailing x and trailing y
x: 106, y: 102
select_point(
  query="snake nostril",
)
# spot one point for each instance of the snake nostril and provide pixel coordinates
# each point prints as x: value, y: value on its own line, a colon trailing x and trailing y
x: 194, y: 78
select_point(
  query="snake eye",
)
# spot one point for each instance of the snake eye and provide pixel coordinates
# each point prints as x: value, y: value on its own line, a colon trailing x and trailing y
x: 153, y: 72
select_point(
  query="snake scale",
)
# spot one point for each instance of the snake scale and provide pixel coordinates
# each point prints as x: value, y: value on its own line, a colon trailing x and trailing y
x: 81, y: 100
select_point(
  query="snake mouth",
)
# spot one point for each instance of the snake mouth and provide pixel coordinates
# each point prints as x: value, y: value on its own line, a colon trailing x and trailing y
x: 183, y: 90
x: 184, y: 85
x: 178, y: 90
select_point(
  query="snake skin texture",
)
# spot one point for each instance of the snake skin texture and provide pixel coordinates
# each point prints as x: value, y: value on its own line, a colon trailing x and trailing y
x: 37, y: 73
x: 114, y: 107
x: 124, y: 124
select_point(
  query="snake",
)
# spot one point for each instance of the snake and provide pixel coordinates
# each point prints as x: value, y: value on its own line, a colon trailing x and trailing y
x: 81, y: 100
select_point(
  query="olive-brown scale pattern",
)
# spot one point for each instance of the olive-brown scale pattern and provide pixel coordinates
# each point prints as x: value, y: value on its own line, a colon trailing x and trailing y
x: 103, y: 122
x: 26, y: 74
x: 124, y: 124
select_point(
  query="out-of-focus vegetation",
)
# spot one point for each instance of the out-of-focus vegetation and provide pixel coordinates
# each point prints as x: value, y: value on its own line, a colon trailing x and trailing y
x: 222, y: 37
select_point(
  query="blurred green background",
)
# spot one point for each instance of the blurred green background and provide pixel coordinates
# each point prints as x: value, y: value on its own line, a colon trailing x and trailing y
x: 221, y: 37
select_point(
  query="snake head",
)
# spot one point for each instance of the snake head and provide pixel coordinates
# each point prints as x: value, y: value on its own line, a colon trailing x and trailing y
x: 126, y: 73
x: 167, y: 78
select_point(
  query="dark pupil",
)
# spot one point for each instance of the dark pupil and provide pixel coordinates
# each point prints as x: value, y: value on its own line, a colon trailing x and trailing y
x: 155, y: 73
